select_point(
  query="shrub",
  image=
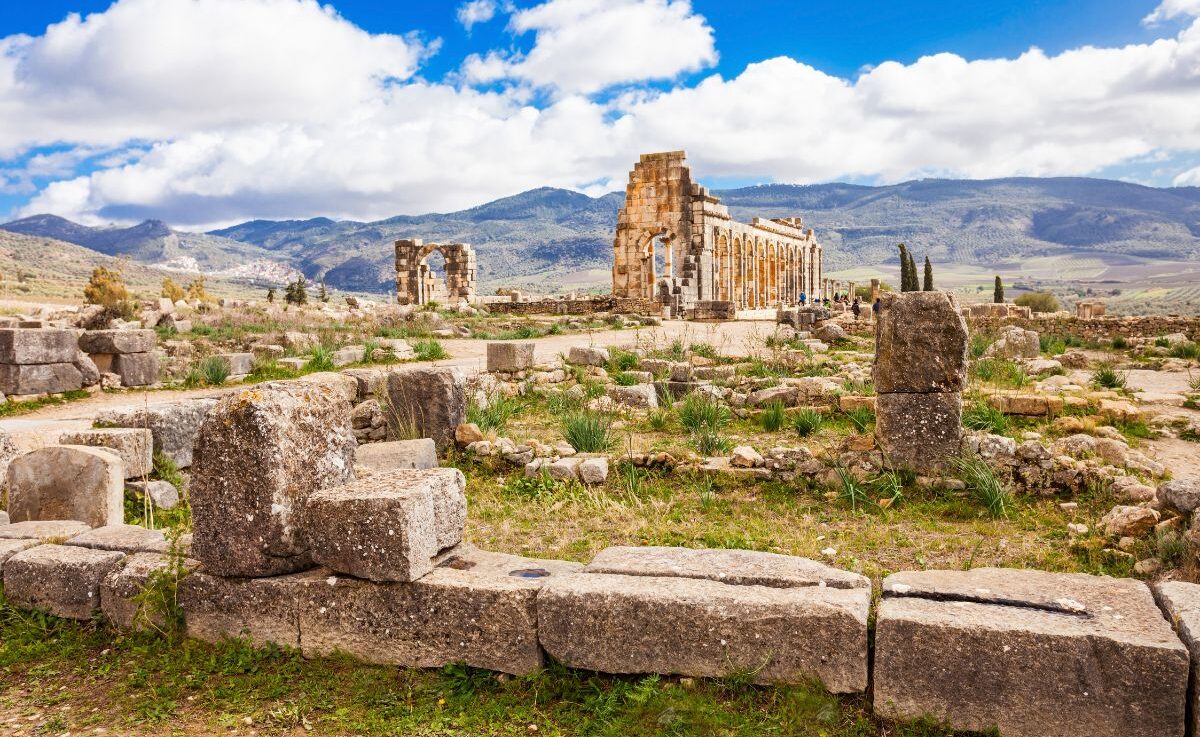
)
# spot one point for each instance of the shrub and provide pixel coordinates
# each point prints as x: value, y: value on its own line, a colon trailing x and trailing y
x: 773, y: 416
x: 196, y: 291
x: 624, y: 379
x: 699, y: 412
x: 1107, y: 377
x: 105, y: 288
x: 982, y: 482
x: 710, y: 442
x: 429, y: 349
x: 171, y: 290
x: 704, y: 350
x: 1120, y: 343
x: 659, y: 419
x: 215, y: 370
x: 322, y: 359
x: 1052, y: 345
x: 1038, y: 301
x: 1000, y: 371
x: 621, y: 360
x: 983, y: 416
x: 495, y: 414
x: 193, y: 378
x: 1186, y: 350
x: 807, y: 421
x: 1162, y: 343
x: 980, y: 343
x: 588, y: 432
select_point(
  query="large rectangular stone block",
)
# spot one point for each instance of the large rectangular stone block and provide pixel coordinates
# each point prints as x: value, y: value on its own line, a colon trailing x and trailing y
x: 45, y: 531
x: 122, y: 538
x: 388, y: 526
x: 261, y: 610
x: 705, y: 613
x: 509, y: 356
x: 919, y: 431
x: 260, y: 454
x: 59, y: 579
x: 117, y: 341
x: 67, y: 482
x: 133, y: 445
x: 1032, y: 654
x: 9, y: 548
x: 920, y: 344
x: 42, y: 378
x: 122, y: 588
x: 173, y: 425
x: 1181, y: 603
x: 476, y: 607
x: 397, y: 454
x: 426, y: 402
x: 136, y: 369
x: 32, y: 346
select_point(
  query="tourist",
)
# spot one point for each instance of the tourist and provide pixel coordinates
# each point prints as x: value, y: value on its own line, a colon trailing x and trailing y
x: 803, y: 298
x: 855, y: 309
x: 875, y: 307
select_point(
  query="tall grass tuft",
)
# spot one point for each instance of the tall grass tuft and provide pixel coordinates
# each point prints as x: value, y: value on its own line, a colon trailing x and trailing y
x: 215, y: 370
x: 983, y: 416
x: 773, y: 416
x: 698, y: 412
x: 711, y: 442
x: 429, y: 349
x: 588, y: 432
x: 861, y: 418
x: 851, y: 491
x: 322, y: 359
x: 983, y: 483
x: 1107, y: 377
x: 807, y: 421
x: 494, y: 414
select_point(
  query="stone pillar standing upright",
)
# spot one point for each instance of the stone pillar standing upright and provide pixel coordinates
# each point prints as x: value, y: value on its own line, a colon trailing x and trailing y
x: 920, y: 373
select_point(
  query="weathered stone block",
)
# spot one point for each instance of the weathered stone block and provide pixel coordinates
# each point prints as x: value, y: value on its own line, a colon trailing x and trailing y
x: 397, y: 454
x: 9, y: 548
x: 59, y: 579
x: 918, y: 431
x: 733, y: 567
x: 587, y: 355
x: 260, y: 453
x: 123, y: 585
x: 122, y: 538
x: 57, y: 530
x: 136, y: 369
x: 639, y: 395
x: 261, y: 610
x: 430, y: 402
x: 389, y: 526
x: 163, y: 494
x: 920, y: 344
x: 476, y: 607
x: 134, y: 446
x: 173, y: 425
x: 1033, y: 654
x: 44, y: 378
x: 117, y: 341
x: 33, y: 346
x: 1181, y: 603
x: 698, y: 627
x: 240, y: 364
x: 67, y: 482
x: 509, y: 356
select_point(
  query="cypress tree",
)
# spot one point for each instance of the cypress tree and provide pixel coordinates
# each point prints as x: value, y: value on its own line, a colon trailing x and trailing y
x: 928, y: 275
x: 914, y: 284
x: 998, y: 296
x: 903, y: 268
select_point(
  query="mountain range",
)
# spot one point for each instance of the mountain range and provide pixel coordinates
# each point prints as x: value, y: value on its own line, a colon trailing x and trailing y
x: 553, y: 239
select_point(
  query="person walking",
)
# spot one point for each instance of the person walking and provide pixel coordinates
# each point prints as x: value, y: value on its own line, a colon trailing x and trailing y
x: 803, y: 299
x: 875, y: 307
x: 855, y: 309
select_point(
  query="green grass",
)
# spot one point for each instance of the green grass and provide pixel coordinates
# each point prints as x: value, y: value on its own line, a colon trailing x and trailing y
x: 429, y: 349
x: 494, y: 416
x: 979, y: 415
x: 698, y: 412
x: 589, y: 432
x: 13, y: 409
x: 1001, y: 372
x: 624, y: 379
x: 807, y: 421
x: 620, y: 360
x: 1107, y: 377
x: 773, y: 416
x: 1186, y: 350
x: 321, y: 360
x: 984, y: 485
x: 214, y: 370
x: 861, y: 418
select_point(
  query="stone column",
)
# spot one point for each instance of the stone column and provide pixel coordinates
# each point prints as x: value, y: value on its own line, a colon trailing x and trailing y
x: 920, y: 373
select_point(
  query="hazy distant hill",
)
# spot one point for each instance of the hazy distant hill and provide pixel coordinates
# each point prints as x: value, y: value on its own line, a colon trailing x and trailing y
x: 557, y: 239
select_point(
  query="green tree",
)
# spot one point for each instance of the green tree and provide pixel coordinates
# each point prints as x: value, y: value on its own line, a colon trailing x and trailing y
x: 998, y: 295
x: 321, y: 293
x: 171, y: 290
x: 914, y: 285
x: 296, y: 292
x: 904, y: 283
x: 105, y: 288
x: 1038, y: 301
x: 928, y: 275
x: 270, y: 294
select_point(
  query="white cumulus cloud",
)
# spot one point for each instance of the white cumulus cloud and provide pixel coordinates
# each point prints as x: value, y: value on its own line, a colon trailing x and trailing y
x: 476, y: 11
x: 1189, y: 178
x: 583, y: 46
x: 1169, y: 9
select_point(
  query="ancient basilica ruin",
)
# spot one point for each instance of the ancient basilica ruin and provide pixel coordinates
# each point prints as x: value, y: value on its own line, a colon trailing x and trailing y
x: 677, y: 244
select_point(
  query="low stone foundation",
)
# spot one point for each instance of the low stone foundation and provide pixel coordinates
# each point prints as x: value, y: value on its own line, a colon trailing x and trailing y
x: 585, y: 306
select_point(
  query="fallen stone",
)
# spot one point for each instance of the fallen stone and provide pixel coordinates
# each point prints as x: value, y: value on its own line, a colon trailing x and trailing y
x: 1030, y: 653
x: 240, y: 364
x: 44, y: 531
x: 163, y: 494
x: 37, y: 346
x: 121, y: 590
x: 850, y: 403
x: 1182, y: 495
x: 467, y: 433
x: 593, y: 471
x: 786, y: 395
x: 744, y: 456
x: 397, y: 454
x: 121, y: 538
x: 260, y: 453
x: 389, y: 526
x: 644, y: 623
x: 830, y: 332
x: 9, y: 548
x: 921, y: 344
x: 89, y: 374
x: 261, y: 610
x: 1180, y: 601
x: 348, y: 355
x: 117, y: 341
x: 919, y: 431
x: 587, y: 356
x: 564, y: 469
x: 60, y: 579
x: 47, y: 378
x: 134, y: 446
x: 1015, y: 342
x: 639, y: 395
x: 476, y: 607
x: 173, y: 425
x: 136, y: 369
x: 67, y: 482
x: 1033, y: 405
x: 1124, y: 521
x: 426, y: 402
x: 509, y: 357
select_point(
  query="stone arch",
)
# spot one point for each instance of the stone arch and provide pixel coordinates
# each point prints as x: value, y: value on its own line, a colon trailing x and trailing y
x: 724, y: 277
x: 415, y: 280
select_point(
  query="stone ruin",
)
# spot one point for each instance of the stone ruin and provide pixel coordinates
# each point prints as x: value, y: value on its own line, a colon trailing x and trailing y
x: 35, y: 361
x: 712, y: 265
x: 417, y: 284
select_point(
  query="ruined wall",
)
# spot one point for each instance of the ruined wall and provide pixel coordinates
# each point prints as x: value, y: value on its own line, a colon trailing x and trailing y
x: 706, y: 255
x: 1097, y: 328
x: 416, y: 284
x: 605, y: 303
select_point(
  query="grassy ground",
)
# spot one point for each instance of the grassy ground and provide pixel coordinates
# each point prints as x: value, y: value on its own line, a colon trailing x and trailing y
x: 59, y: 677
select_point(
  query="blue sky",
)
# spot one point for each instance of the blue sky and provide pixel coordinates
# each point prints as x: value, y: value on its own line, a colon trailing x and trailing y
x: 385, y: 107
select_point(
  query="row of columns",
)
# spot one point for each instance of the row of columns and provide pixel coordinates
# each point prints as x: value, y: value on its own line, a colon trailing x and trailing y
x: 758, y: 274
